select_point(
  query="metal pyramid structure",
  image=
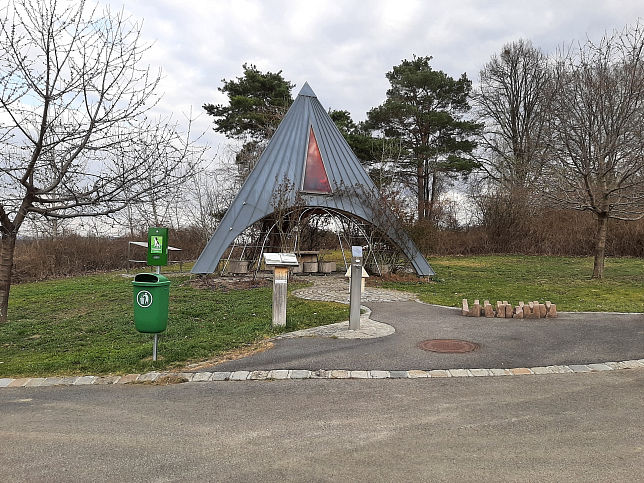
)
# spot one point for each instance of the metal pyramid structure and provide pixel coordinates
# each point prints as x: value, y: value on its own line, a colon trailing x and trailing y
x: 310, y: 153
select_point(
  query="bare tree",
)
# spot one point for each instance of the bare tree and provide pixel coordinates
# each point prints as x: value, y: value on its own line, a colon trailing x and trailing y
x: 74, y: 131
x: 597, y: 131
x: 212, y: 190
x: 164, y: 207
x: 511, y: 101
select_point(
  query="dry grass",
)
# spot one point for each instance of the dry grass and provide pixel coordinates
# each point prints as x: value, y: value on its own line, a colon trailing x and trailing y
x: 231, y: 355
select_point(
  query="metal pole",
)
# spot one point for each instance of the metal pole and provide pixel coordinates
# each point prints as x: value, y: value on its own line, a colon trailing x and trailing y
x: 156, y: 336
x: 355, y: 294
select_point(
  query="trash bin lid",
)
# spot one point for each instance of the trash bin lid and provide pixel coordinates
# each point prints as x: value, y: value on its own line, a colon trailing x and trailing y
x: 150, y: 279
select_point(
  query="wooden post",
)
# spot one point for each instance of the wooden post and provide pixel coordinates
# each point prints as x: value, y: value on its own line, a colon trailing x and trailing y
x: 500, y: 309
x: 280, y: 280
x: 488, y: 309
x: 519, y: 312
x: 535, y: 309
x: 551, y: 310
x: 475, y: 311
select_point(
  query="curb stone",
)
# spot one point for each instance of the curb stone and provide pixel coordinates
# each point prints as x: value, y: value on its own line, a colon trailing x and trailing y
x: 128, y: 378
x: 52, y: 381
x: 202, y: 377
x: 220, y: 376
x: 85, y: 380
x: 19, y: 382
x: 399, y: 374
x: 300, y: 374
x: 580, y: 368
x: 359, y: 375
x: 239, y: 375
x: 148, y: 377
x: 35, y: 382
x: 379, y: 374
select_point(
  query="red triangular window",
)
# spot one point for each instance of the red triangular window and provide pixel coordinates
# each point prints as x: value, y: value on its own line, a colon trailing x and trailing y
x: 315, y: 178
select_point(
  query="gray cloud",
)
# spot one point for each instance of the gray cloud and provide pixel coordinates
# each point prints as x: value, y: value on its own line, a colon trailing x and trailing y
x: 344, y: 48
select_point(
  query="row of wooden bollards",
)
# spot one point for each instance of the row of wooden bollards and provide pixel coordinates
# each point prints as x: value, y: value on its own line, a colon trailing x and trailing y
x: 504, y: 310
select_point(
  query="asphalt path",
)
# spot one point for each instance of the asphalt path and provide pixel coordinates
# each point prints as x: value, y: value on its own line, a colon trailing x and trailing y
x: 572, y: 338
x: 557, y: 427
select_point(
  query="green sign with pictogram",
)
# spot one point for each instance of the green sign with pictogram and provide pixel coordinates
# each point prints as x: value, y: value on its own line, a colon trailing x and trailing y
x: 157, y: 246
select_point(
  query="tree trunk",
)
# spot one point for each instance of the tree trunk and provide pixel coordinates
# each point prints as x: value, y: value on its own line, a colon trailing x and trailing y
x: 432, y: 199
x: 6, y: 263
x: 421, y: 192
x: 600, y: 245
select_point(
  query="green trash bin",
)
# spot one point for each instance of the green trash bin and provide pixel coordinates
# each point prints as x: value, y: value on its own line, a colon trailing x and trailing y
x: 151, y: 298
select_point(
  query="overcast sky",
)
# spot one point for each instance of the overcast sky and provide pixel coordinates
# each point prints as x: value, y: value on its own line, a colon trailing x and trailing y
x: 344, y: 48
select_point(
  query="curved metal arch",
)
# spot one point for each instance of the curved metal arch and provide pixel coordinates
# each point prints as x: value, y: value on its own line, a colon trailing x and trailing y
x: 333, y: 213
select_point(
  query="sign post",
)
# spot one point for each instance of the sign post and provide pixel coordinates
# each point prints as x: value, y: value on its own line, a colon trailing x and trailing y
x: 280, y: 263
x: 355, y: 294
x: 157, y: 247
x: 157, y: 256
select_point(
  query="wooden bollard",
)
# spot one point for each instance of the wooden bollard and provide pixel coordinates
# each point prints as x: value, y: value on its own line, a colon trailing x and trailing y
x: 488, y: 310
x: 518, y: 314
x: 500, y: 309
x: 535, y: 309
x: 505, y: 310
x: 475, y: 311
x: 551, y: 309
x: 527, y: 311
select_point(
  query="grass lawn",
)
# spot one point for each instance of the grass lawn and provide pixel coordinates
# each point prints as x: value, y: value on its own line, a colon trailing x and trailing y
x: 84, y: 325
x: 564, y: 281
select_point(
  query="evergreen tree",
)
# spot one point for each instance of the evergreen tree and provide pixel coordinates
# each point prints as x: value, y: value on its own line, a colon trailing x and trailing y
x: 424, y: 111
x: 363, y: 145
x: 374, y: 153
x: 257, y: 102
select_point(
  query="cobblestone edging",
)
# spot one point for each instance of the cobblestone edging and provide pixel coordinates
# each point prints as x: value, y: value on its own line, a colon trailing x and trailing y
x: 152, y: 377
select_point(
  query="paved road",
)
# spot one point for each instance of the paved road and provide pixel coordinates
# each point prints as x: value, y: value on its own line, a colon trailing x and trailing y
x: 560, y: 427
x: 569, y: 339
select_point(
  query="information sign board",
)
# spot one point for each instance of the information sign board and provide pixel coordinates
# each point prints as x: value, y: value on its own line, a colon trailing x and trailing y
x: 157, y: 246
x: 280, y: 259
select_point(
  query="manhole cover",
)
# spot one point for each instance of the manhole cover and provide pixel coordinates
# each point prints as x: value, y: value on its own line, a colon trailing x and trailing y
x: 448, y: 346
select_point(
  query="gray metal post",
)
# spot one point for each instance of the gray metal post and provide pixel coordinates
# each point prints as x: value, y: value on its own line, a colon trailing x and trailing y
x: 355, y: 294
x: 156, y: 337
